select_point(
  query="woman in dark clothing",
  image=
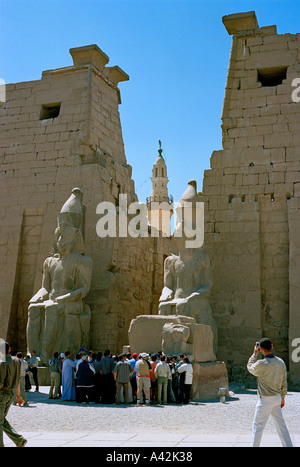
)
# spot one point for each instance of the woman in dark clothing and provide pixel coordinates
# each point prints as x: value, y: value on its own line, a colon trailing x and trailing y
x: 85, y: 381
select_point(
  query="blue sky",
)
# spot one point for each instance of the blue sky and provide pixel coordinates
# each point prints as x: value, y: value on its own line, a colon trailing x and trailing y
x: 176, y: 53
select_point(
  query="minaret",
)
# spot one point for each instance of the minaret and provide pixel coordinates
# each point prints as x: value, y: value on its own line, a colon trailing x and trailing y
x: 159, y: 204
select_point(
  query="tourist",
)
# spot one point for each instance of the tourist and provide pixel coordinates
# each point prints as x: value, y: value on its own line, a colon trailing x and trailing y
x: 92, y: 356
x: 97, y: 391
x: 85, y: 381
x: 27, y: 375
x: 181, y: 378
x: 123, y: 371
x: 55, y: 373
x: 162, y: 373
x: 187, y: 369
x: 153, y: 389
x: 171, y: 397
x: 68, y: 383
x: 61, y: 359
x: 108, y: 383
x: 133, y: 382
x: 174, y: 376
x: 142, y: 370
x: 33, y: 364
x: 77, y: 360
x: 23, y: 394
x: 272, y: 389
x: 10, y: 370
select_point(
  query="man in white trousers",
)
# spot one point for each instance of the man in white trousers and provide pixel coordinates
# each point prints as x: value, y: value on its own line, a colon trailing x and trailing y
x: 272, y: 388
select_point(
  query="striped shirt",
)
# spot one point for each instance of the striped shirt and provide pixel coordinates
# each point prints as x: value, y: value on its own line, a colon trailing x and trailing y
x: 123, y: 370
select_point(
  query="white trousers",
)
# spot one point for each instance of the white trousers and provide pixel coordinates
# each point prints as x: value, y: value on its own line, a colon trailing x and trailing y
x: 266, y: 406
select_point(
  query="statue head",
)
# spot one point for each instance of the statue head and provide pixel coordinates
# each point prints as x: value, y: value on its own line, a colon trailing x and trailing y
x: 72, y: 212
x: 69, y: 233
x: 189, y: 230
x: 67, y: 239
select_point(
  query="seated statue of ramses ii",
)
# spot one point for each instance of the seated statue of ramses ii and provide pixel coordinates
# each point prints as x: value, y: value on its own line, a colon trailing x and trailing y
x: 188, y: 283
x: 58, y: 319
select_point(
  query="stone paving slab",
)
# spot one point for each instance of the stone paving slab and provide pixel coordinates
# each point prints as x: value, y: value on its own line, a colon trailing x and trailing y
x: 204, y: 424
x: 135, y: 440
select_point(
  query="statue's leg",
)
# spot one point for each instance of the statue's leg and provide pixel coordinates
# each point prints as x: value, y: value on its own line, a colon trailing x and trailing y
x: 183, y: 307
x: 72, y: 326
x: 50, y: 331
x: 60, y: 337
x: 85, y: 319
x: 164, y: 308
x: 34, y: 327
x: 202, y: 312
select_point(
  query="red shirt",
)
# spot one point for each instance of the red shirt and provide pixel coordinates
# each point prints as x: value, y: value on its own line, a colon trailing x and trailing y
x: 153, y: 366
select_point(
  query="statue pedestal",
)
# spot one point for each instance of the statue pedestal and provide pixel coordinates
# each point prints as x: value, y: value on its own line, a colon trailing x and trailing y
x: 151, y: 333
x: 207, y: 379
x: 145, y: 331
x: 43, y: 374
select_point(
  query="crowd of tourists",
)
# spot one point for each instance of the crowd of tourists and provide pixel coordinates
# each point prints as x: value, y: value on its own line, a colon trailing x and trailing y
x: 140, y: 379
x: 112, y: 379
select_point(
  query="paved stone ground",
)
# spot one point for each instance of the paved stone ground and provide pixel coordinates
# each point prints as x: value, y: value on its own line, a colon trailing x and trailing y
x: 205, y: 423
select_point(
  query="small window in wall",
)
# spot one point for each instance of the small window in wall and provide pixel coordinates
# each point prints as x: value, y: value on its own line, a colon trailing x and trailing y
x: 49, y: 111
x: 271, y: 76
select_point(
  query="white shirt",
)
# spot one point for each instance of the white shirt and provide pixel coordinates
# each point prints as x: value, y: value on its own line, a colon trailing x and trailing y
x: 188, y: 368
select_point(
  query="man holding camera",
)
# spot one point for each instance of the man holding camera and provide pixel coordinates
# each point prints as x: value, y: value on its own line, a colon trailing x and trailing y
x: 272, y: 388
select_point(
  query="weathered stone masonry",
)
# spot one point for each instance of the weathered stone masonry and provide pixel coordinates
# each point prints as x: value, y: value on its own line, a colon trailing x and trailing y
x: 252, y: 196
x: 64, y: 131
x: 57, y: 133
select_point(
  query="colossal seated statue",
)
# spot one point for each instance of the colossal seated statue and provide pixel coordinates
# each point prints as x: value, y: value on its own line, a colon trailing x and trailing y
x: 58, y: 319
x: 188, y: 273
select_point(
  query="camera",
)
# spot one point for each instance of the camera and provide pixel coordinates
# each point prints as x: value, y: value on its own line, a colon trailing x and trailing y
x: 257, y: 345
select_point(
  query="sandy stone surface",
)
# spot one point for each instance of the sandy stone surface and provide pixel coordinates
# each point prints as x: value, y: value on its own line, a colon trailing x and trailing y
x: 209, y: 417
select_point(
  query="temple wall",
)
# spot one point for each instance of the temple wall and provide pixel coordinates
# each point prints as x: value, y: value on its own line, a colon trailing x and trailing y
x: 57, y: 133
x: 251, y: 195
